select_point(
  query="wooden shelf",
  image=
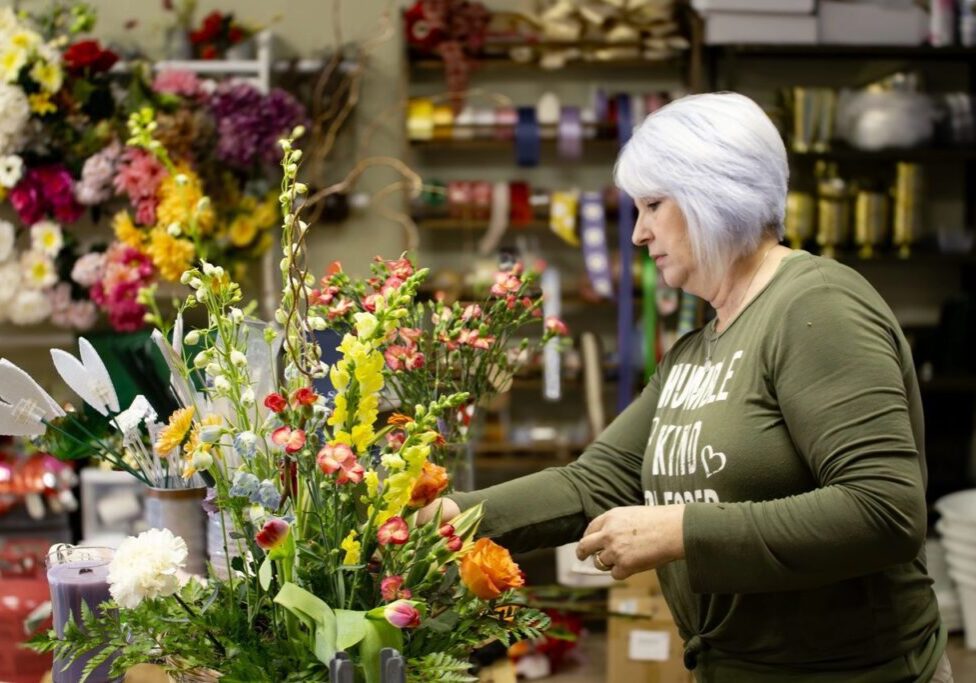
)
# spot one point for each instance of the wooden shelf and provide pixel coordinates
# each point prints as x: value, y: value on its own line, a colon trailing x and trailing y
x: 539, y: 448
x: 919, y: 154
x: 609, y: 145
x: 496, y: 57
x: 463, y: 225
x: 821, y: 51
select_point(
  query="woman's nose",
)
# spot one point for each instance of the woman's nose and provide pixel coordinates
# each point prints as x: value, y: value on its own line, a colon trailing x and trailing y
x: 640, y: 236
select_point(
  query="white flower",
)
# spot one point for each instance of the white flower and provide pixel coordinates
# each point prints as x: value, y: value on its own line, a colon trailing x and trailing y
x: 29, y: 307
x: 38, y: 270
x: 192, y: 338
x: 221, y: 384
x: 7, y: 237
x: 9, y: 280
x: 46, y: 237
x: 236, y: 314
x: 89, y: 269
x: 14, y: 115
x: 11, y: 169
x: 146, y: 566
x: 237, y: 358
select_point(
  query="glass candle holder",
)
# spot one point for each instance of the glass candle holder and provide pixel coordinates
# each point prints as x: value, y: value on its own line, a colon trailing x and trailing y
x: 76, y: 574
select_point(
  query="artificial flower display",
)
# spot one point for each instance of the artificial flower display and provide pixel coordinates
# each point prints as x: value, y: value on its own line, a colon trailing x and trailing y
x: 318, y: 493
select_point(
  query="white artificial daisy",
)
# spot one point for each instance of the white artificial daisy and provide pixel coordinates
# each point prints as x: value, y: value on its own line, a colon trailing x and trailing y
x: 47, y: 238
x: 38, y: 270
x: 147, y: 566
x: 29, y: 307
x: 11, y: 170
x: 7, y: 237
x: 14, y: 115
x: 10, y: 280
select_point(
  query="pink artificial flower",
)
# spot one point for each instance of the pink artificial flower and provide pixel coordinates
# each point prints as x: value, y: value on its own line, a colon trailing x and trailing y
x: 455, y: 543
x: 324, y: 296
x: 400, y: 268
x: 293, y: 440
x: 82, y: 315
x: 340, y: 309
x: 57, y: 186
x: 146, y: 211
x: 139, y: 176
x: 446, y: 530
x: 393, y: 531
x: 505, y: 283
x: 410, y: 335
x: 471, y: 311
x: 371, y: 302
x: 446, y: 340
x: 473, y: 339
x: 403, y: 358
x: 27, y: 199
x: 402, y: 614
x: 391, y: 588
x: 395, y: 440
x: 178, y: 82
x: 125, y: 271
x: 340, y: 458
x: 556, y: 326
x: 391, y: 285
x: 273, y: 533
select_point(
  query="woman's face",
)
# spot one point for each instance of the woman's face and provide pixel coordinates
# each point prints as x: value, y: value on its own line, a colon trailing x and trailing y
x: 661, y: 228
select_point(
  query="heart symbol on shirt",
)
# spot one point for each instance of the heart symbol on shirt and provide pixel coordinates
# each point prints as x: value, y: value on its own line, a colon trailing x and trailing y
x: 708, y: 458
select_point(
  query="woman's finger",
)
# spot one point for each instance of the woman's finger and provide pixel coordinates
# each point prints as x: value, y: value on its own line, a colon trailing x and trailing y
x: 590, y: 544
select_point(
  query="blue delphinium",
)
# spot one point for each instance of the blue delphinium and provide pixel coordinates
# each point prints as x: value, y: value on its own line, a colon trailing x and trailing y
x: 245, y: 485
x: 267, y: 495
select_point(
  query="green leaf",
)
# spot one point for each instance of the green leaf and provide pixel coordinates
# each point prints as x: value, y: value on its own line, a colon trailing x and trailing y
x: 350, y: 628
x: 264, y: 573
x: 442, y: 623
x: 379, y: 634
x: 315, y: 614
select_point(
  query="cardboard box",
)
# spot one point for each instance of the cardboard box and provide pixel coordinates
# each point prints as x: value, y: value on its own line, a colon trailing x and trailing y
x: 759, y: 27
x: 780, y: 6
x: 846, y: 23
x: 646, y: 582
x: 648, y: 649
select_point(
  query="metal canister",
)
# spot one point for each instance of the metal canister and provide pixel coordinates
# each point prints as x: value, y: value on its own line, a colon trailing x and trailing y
x: 833, y: 215
x: 800, y: 212
x: 870, y: 221
x: 907, y: 194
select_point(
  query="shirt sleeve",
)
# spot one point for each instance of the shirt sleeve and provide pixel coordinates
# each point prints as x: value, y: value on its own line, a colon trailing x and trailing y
x: 554, y: 506
x: 836, y: 367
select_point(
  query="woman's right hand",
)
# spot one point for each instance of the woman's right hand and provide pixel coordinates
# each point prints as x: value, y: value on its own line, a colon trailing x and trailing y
x: 449, y: 510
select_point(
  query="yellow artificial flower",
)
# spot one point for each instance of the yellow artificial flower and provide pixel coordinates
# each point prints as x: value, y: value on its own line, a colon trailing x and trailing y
x: 40, y: 103
x: 126, y: 231
x: 339, y: 411
x: 171, y: 255
x: 11, y: 62
x: 339, y: 376
x: 179, y: 203
x: 369, y: 373
x: 242, y: 231
x: 24, y: 40
x: 48, y: 75
x: 267, y: 214
x: 193, y: 444
x: 172, y: 435
x: 399, y: 486
x: 352, y: 547
x: 372, y: 479
x: 367, y: 410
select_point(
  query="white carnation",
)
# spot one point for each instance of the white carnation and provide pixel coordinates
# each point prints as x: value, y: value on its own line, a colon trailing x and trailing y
x: 146, y: 566
x: 7, y: 237
x: 14, y: 114
x: 29, y: 307
x: 11, y: 170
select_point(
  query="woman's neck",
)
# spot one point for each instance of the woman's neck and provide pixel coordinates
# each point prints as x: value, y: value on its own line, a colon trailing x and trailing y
x: 743, y: 279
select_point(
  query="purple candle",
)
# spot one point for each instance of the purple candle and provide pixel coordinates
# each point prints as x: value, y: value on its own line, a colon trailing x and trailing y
x: 75, y: 574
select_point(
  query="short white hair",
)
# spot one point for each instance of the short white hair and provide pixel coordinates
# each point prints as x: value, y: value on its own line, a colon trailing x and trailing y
x: 721, y: 159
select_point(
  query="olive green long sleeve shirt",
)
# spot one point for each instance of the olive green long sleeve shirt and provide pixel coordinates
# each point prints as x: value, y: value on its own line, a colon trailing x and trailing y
x: 795, y: 437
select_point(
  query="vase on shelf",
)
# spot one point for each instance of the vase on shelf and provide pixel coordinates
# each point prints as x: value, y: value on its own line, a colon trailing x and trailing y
x: 178, y: 45
x: 242, y: 51
x: 181, y: 511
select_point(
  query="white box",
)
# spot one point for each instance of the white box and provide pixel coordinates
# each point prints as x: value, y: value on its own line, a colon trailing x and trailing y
x: 847, y: 23
x: 111, y: 504
x: 760, y: 27
x: 777, y: 6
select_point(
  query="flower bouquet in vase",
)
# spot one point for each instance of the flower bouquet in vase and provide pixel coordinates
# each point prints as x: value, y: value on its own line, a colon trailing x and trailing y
x: 327, y: 555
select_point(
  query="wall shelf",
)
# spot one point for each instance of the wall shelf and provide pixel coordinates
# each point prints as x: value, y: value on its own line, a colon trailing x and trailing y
x: 821, y: 51
x: 919, y: 154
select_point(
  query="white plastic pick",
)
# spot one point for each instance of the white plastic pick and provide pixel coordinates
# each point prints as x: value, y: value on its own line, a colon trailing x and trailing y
x: 88, y: 377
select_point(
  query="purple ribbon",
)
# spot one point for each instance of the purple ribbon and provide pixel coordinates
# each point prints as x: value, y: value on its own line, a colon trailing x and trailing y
x: 527, y: 143
x: 570, y: 133
x: 593, y: 232
x: 625, y: 301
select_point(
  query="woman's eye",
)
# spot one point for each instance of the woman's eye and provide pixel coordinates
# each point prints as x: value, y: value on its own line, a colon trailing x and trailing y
x: 653, y: 205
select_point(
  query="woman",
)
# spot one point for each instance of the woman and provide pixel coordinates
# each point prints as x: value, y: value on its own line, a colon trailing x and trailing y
x: 773, y: 470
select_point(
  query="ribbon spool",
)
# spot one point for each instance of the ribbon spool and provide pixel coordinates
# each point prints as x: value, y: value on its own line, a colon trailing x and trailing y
x: 570, y: 133
x: 800, y: 213
x: 443, y: 116
x: 547, y: 113
x: 833, y: 216
x: 464, y: 124
x: 562, y: 216
x: 459, y: 199
x: 596, y: 257
x: 528, y: 146
x: 506, y: 118
x: 481, y: 192
x: 420, y: 119
x: 870, y: 221
x: 520, y: 209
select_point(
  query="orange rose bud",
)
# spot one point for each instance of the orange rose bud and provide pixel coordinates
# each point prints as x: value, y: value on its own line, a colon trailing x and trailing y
x: 432, y: 480
x: 399, y: 420
x: 488, y: 570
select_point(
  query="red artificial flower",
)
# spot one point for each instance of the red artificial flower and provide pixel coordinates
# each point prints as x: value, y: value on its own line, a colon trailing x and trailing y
x: 556, y: 326
x: 88, y: 54
x: 210, y: 30
x: 324, y: 296
x: 455, y: 543
x: 371, y: 302
x: 339, y: 457
x: 272, y: 534
x: 275, y: 402
x: 393, y: 531
x: 446, y: 530
x: 305, y: 396
x: 400, y: 268
x: 209, y: 52
x: 391, y: 588
x: 293, y: 440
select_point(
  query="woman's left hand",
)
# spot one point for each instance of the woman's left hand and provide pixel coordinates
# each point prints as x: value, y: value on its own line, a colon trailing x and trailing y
x: 635, y: 539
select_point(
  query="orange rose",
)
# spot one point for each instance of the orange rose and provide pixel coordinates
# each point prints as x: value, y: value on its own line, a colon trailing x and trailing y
x: 488, y: 571
x: 430, y: 483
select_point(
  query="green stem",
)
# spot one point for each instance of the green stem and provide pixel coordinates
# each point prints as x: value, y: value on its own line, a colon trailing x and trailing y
x: 210, y: 636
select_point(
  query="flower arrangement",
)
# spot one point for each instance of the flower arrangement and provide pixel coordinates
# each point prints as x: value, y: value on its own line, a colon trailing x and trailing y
x: 317, y: 493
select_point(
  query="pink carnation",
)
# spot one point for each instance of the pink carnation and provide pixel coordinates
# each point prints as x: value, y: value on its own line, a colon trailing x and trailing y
x: 139, y: 176
x: 127, y: 270
x: 46, y: 191
x: 178, y: 82
x: 89, y: 269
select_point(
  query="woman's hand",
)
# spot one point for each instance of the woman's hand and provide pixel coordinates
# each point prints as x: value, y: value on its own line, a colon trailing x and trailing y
x: 449, y: 510
x: 635, y: 539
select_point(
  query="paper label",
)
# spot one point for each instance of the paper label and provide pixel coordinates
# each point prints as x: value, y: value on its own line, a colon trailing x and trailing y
x: 649, y: 646
x: 627, y: 606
